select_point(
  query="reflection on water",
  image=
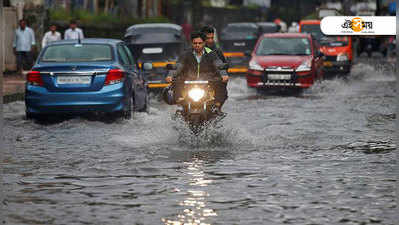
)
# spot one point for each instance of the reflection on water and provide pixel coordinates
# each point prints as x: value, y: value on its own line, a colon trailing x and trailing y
x: 195, y: 210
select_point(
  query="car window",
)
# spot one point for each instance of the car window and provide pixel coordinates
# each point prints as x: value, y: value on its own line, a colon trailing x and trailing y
x: 123, y: 55
x: 313, y: 29
x: 241, y: 29
x: 77, y: 53
x: 129, y: 55
x: 164, y: 52
x: 269, y: 29
x: 284, y: 46
x: 334, y: 41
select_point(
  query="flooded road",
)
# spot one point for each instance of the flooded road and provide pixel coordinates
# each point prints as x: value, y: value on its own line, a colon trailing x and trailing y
x: 324, y: 157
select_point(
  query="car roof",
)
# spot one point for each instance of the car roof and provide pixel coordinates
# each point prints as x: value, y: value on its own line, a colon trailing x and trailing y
x: 243, y: 25
x: 88, y: 41
x: 266, y: 24
x: 154, y: 25
x: 309, y: 22
x: 287, y: 35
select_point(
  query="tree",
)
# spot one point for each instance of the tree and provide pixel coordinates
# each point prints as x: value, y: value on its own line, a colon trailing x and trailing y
x: 95, y: 6
x: 128, y: 8
x: 106, y: 6
x: 109, y: 4
x: 346, y: 5
x: 85, y: 4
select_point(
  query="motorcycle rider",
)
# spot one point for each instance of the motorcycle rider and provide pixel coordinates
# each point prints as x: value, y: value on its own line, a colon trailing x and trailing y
x: 199, y: 62
x: 209, y: 31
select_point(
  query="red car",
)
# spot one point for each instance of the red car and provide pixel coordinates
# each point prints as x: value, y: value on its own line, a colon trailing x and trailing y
x: 289, y: 60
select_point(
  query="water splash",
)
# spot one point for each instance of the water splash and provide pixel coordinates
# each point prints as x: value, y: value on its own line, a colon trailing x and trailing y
x: 214, y: 135
x: 372, y: 71
x: 237, y: 88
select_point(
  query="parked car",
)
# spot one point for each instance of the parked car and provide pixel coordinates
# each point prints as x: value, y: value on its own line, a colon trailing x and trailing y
x: 285, y: 60
x: 236, y: 39
x: 338, y: 50
x: 88, y: 75
x: 156, y: 43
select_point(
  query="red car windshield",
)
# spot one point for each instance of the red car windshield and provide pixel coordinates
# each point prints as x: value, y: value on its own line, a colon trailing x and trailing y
x: 284, y: 46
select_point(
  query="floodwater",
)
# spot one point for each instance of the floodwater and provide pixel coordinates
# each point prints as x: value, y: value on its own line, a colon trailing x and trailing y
x: 323, y: 157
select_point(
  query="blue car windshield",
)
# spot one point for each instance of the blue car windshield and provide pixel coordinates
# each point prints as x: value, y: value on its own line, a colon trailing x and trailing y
x: 77, y: 53
x: 284, y: 46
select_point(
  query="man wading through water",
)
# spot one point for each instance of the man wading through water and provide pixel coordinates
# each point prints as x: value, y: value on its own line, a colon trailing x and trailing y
x: 199, y: 62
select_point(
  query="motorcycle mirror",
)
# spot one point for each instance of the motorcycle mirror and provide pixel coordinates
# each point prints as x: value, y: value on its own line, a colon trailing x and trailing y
x: 147, y: 66
x: 171, y: 67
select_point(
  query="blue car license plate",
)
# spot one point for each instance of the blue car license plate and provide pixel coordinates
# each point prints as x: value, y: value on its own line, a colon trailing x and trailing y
x: 73, y: 79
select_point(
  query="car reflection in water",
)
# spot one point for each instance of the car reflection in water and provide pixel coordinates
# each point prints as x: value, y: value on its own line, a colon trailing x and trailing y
x: 195, y: 208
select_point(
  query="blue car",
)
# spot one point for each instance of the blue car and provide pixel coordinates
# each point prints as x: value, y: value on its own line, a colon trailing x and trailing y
x: 88, y: 75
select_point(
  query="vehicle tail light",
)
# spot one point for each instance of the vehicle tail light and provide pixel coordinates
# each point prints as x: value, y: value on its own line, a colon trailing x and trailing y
x: 34, y: 78
x: 114, y: 76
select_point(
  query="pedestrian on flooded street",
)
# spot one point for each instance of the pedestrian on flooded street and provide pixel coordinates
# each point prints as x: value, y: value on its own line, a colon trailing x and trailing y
x: 24, y: 40
x: 50, y: 36
x: 74, y: 32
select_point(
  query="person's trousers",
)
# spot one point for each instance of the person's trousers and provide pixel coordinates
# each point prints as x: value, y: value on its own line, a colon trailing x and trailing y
x: 220, y: 92
x: 24, y: 61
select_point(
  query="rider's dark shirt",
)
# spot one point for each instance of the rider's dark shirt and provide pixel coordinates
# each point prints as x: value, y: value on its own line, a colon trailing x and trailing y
x: 219, y: 53
x: 189, y: 69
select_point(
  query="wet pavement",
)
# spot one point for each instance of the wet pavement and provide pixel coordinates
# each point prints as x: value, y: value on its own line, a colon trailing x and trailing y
x: 323, y: 157
x: 13, y: 84
x: 13, y: 87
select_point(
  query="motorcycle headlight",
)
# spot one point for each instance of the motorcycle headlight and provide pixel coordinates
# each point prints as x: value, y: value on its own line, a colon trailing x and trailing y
x: 196, y: 94
x: 255, y: 66
x: 305, y: 66
x: 342, y: 57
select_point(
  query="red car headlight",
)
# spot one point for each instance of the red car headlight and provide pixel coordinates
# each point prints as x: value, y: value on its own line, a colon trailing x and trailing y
x: 305, y: 66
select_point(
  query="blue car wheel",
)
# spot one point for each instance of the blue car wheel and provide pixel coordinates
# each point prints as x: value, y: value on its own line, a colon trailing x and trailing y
x: 129, y: 110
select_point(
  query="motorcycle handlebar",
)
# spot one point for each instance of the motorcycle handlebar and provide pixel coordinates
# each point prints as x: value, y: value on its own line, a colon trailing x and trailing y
x: 223, y: 66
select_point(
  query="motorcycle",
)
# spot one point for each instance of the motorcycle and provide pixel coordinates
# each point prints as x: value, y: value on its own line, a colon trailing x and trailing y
x: 197, y: 102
